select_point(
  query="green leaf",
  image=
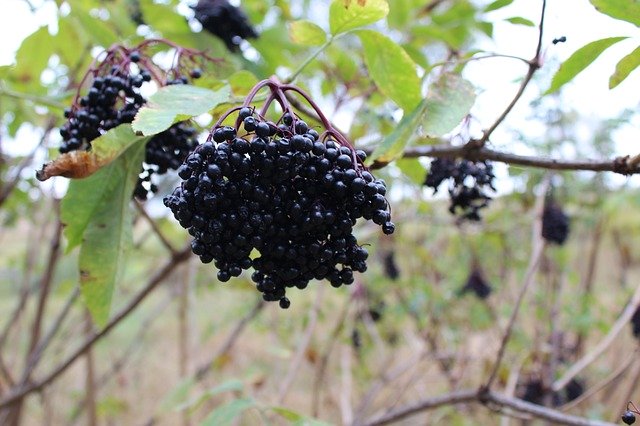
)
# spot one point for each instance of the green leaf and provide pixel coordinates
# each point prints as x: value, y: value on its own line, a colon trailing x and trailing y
x: 626, y: 10
x: 394, y: 143
x: 449, y: 100
x: 297, y: 419
x: 580, y: 59
x: 306, y: 33
x: 83, y: 197
x: 498, y: 4
x: 413, y: 169
x: 225, y: 414
x: 173, y: 103
x: 519, y: 20
x: 32, y: 57
x: 624, y: 67
x: 391, y: 68
x: 346, y: 15
x: 228, y: 386
x: 107, y: 236
x: 447, y: 103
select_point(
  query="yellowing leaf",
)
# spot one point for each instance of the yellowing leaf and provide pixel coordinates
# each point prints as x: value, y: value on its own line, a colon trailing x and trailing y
x: 346, y: 15
x: 306, y: 33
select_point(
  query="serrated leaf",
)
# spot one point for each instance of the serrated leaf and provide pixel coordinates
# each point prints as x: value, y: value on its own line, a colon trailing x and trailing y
x: 346, y: 15
x: 84, y: 196
x: 225, y: 414
x: 391, y: 68
x: 447, y: 103
x: 306, y: 33
x: 449, y: 100
x: 498, y: 4
x: 107, y: 236
x: 580, y: 60
x: 624, y: 67
x: 625, y: 10
x: 394, y: 143
x: 175, y: 103
x: 519, y: 20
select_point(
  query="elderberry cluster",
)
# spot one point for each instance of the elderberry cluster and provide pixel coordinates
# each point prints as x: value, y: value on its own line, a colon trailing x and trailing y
x: 280, y: 199
x: 476, y: 284
x: 225, y: 21
x: 469, y: 182
x: 113, y: 99
x: 555, y: 223
x: 534, y: 392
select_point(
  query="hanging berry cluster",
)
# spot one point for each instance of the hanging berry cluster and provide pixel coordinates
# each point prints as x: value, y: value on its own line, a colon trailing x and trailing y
x: 227, y: 22
x: 114, y: 97
x: 555, y: 223
x: 469, y: 182
x: 279, y: 197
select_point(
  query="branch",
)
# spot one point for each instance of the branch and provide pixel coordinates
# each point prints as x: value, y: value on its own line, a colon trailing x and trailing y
x: 496, y: 400
x: 536, y: 254
x: 20, y: 392
x: 534, y: 65
x: 622, y: 165
x: 591, y: 356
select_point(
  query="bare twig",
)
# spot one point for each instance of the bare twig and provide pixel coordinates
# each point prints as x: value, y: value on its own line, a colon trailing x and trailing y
x: 536, y: 254
x: 302, y: 347
x: 90, y: 381
x: 602, y: 346
x: 534, y: 65
x: 205, y: 367
x: 492, y: 399
x: 21, y: 391
x: 154, y: 226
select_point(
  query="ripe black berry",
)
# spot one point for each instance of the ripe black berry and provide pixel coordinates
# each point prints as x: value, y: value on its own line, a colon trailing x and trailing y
x: 275, y: 201
x: 628, y: 417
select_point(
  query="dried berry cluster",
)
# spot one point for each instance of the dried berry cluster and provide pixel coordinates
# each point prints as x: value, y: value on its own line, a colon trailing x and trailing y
x: 477, y: 284
x: 278, y: 197
x: 469, y: 182
x: 114, y: 98
x: 555, y: 223
x: 225, y: 21
x: 534, y: 392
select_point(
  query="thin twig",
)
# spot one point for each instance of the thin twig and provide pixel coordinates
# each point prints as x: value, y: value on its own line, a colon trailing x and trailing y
x: 489, y: 398
x: 536, y: 254
x: 534, y: 65
x: 20, y: 392
x: 154, y: 226
x: 302, y: 347
x: 602, y: 346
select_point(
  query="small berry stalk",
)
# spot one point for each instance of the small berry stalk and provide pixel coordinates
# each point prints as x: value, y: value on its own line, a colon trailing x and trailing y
x: 279, y: 197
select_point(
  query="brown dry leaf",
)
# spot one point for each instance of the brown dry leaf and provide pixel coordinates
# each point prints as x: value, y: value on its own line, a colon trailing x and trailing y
x: 74, y: 165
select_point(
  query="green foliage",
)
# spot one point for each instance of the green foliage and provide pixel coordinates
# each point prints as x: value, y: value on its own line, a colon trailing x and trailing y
x: 306, y: 33
x: 580, y: 60
x: 391, y: 69
x: 227, y: 413
x: 176, y: 103
x: 107, y: 237
x: 625, y: 10
x: 448, y: 101
x: 347, y: 15
x: 625, y: 67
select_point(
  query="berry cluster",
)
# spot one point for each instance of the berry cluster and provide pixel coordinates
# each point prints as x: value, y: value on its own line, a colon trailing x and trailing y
x: 225, y: 21
x: 635, y: 323
x: 534, y: 392
x: 555, y: 223
x: 476, y: 284
x: 114, y: 98
x: 278, y: 197
x: 469, y: 182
